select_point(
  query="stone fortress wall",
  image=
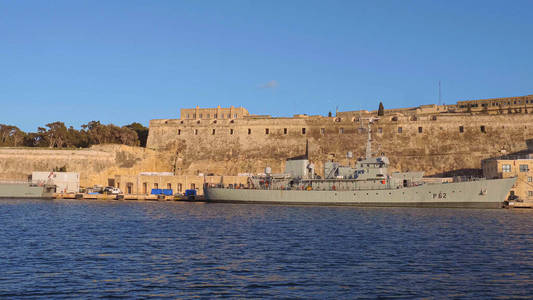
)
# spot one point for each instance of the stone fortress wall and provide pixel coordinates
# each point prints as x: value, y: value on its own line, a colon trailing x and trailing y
x: 96, y: 165
x: 440, y: 140
x: 436, y: 139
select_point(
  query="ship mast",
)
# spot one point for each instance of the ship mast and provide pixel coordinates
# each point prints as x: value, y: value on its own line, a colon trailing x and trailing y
x: 369, y: 139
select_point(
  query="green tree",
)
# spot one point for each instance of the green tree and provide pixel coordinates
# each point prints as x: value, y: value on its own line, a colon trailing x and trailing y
x: 142, y: 132
x: 57, y: 134
x: 11, y: 136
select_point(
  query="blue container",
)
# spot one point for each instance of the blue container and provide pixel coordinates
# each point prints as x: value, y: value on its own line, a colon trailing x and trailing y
x: 157, y: 191
x: 190, y: 192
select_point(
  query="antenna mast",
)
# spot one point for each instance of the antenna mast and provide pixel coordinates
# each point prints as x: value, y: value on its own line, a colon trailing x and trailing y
x: 440, y: 95
x: 369, y: 140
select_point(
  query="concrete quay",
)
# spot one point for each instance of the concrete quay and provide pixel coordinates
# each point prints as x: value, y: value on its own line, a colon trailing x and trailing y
x: 127, y: 197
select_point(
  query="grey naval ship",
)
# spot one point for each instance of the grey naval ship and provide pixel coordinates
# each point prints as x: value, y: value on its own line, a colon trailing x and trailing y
x: 366, y: 182
x: 22, y: 189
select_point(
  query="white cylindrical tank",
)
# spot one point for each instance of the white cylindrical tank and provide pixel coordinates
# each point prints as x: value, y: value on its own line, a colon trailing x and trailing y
x: 268, y: 170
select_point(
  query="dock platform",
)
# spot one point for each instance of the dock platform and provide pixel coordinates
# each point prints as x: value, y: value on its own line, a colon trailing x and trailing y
x: 127, y: 197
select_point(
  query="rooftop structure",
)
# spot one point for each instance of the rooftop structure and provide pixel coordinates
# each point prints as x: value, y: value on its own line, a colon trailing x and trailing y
x: 213, y: 113
x: 497, y: 105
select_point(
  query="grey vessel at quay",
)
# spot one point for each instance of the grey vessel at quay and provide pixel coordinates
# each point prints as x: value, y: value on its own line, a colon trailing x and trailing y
x: 367, y: 183
x: 23, y: 189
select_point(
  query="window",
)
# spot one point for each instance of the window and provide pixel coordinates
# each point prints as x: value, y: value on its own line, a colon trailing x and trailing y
x: 482, y: 128
x: 194, y: 116
x: 215, y: 116
x: 249, y: 131
x: 380, y: 130
x: 266, y: 131
x: 145, y: 188
x: 169, y: 186
x: 213, y: 133
x: 193, y: 186
x: 433, y: 118
x: 530, y: 193
x: 285, y: 130
x: 461, y: 129
x: 179, y: 131
x: 207, y: 116
x: 322, y: 130
x: 187, y: 116
x: 231, y: 131
x: 156, y: 185
x: 400, y: 130
x: 419, y: 129
x: 341, y: 130
x: 303, y: 130
x: 524, y: 168
x: 179, y: 187
x: 200, y: 116
x: 196, y: 132
x: 506, y: 168
x: 235, y: 116
x: 529, y: 179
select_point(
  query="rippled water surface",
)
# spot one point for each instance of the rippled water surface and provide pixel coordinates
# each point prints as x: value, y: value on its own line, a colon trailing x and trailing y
x: 93, y: 249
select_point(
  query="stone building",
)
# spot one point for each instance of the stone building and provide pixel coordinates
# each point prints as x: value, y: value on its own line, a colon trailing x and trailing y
x: 143, y: 183
x: 522, y: 190
x: 497, y: 105
x: 515, y: 165
x: 429, y: 138
x: 213, y: 113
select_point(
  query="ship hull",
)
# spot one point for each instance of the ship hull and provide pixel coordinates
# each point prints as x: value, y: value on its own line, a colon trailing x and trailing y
x: 23, y: 190
x: 471, y: 194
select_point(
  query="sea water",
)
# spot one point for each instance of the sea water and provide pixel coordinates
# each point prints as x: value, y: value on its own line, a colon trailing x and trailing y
x: 88, y: 249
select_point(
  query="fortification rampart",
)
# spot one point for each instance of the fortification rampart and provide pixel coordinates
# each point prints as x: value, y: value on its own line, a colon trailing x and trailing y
x: 435, y: 143
x: 96, y: 165
x: 424, y: 138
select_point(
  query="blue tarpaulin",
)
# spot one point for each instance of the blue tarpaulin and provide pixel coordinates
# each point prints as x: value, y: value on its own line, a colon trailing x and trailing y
x: 190, y: 192
x: 167, y: 192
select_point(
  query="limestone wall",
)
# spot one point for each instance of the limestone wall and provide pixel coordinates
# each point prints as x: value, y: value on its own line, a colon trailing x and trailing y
x: 243, y: 145
x: 95, y: 165
x: 187, y: 147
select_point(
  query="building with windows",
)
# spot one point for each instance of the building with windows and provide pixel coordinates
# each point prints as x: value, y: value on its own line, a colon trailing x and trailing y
x: 213, y: 113
x: 505, y: 105
x: 520, y: 166
x: 143, y: 183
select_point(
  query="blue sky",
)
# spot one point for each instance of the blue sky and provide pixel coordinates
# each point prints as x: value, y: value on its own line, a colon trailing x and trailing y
x: 125, y: 61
